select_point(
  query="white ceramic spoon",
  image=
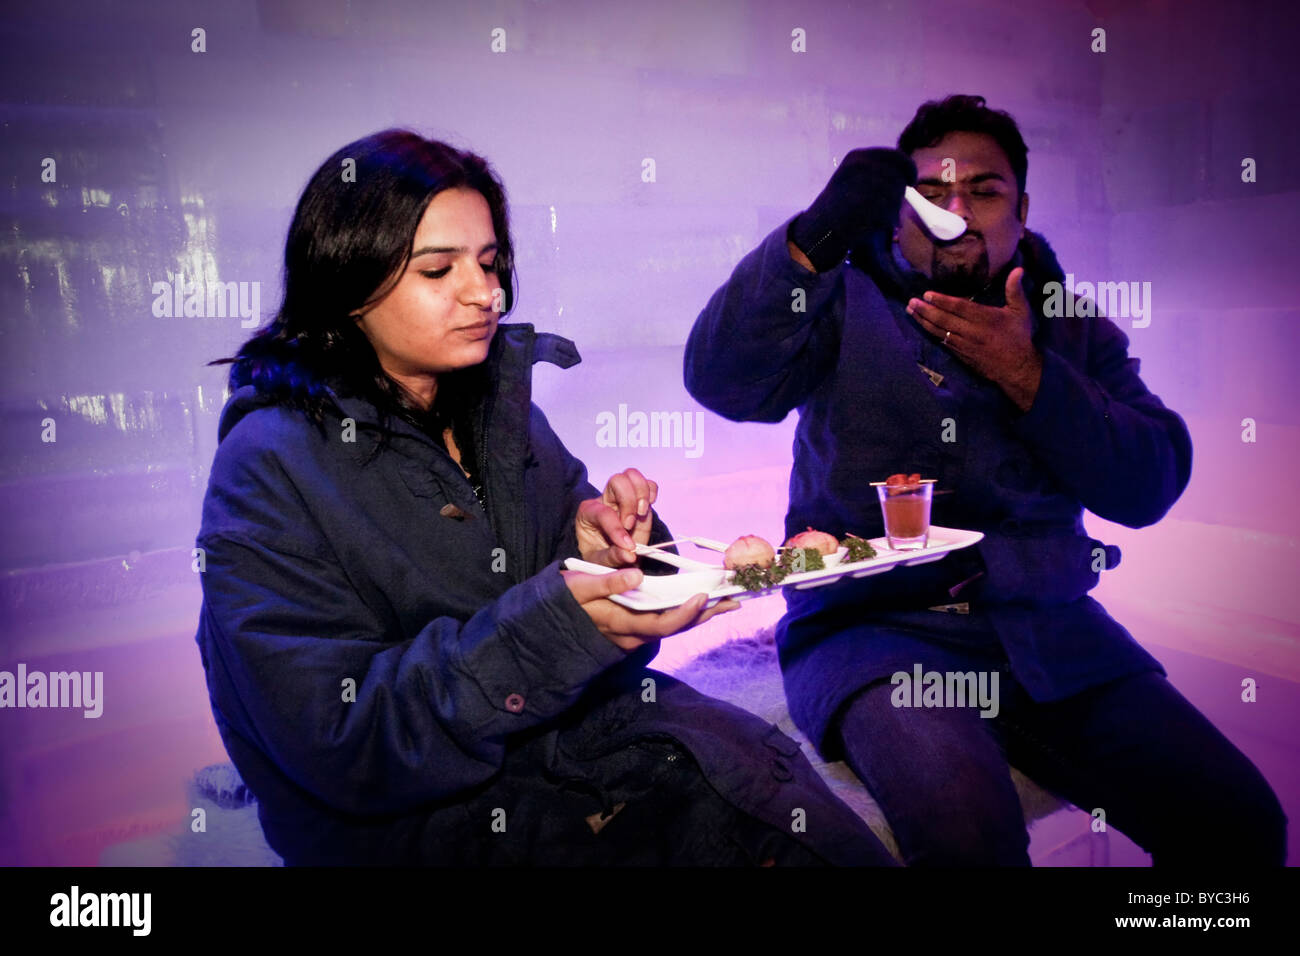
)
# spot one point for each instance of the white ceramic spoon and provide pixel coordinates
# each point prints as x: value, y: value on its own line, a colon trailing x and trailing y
x: 941, y: 223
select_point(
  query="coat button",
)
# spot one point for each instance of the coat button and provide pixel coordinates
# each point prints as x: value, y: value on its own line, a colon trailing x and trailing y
x: 781, y: 771
x: 775, y: 739
x: 515, y: 703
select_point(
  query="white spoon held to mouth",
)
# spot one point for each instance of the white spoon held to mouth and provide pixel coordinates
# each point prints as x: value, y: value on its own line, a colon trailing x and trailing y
x: 941, y: 223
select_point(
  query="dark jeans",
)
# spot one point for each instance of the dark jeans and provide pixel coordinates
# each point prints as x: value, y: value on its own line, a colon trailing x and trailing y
x: 1133, y: 747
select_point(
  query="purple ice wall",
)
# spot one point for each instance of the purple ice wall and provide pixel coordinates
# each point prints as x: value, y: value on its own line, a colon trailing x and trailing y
x: 645, y: 149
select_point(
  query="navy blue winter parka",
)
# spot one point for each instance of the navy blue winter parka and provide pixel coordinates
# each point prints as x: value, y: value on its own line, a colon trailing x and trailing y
x: 403, y: 677
x: 876, y: 395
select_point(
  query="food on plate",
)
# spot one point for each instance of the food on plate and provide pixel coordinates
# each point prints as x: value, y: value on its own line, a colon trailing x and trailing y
x: 756, y: 566
x: 798, y: 560
x: 860, y: 549
x: 897, y: 484
x: 749, y: 550
x: 753, y: 561
x: 819, y: 540
x: 753, y: 578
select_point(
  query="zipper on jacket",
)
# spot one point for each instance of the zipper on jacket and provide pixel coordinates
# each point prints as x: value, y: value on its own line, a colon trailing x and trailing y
x: 469, y: 483
x: 480, y: 454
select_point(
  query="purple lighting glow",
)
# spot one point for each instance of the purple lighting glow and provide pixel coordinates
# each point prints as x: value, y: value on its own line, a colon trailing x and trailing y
x: 152, y: 173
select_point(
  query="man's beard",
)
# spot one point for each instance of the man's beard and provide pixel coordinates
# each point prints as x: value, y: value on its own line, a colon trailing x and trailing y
x: 960, y: 278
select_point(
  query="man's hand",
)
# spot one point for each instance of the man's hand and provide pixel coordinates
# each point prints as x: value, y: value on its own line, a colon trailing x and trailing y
x: 863, y: 196
x: 631, y: 629
x: 995, y: 342
x: 610, y: 527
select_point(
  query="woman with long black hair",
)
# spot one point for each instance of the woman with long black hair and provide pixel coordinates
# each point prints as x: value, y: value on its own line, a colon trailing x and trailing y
x: 398, y: 665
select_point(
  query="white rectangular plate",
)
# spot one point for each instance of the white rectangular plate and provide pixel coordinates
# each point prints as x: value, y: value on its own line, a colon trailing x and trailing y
x: 660, y: 592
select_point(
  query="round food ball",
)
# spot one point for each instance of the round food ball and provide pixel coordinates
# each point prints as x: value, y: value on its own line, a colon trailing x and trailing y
x: 820, y: 540
x: 749, y: 549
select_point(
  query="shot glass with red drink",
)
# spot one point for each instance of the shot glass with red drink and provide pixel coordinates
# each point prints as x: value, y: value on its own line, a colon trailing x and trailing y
x: 905, y: 503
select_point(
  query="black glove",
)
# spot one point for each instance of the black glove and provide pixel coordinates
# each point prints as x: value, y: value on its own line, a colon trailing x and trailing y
x: 863, y: 196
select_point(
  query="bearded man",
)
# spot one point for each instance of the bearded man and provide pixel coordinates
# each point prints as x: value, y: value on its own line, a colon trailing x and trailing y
x: 905, y: 353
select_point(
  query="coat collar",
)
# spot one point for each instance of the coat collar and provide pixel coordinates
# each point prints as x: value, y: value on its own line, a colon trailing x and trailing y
x: 515, y: 348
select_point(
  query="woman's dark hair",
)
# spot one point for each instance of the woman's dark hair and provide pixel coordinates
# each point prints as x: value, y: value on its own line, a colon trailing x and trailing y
x: 348, y: 245
x: 967, y: 114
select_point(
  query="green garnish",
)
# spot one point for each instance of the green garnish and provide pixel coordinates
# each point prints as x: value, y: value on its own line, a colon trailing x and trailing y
x: 860, y: 549
x: 751, y: 577
x: 798, y: 560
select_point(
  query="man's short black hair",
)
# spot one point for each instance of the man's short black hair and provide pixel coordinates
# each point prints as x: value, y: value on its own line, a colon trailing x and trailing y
x: 960, y: 113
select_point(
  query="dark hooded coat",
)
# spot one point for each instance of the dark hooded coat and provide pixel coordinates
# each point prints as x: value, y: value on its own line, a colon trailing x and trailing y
x: 402, y: 676
x: 876, y: 395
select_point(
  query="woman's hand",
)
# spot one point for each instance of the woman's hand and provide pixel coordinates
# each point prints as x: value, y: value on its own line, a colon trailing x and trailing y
x: 610, y: 527
x: 632, y: 629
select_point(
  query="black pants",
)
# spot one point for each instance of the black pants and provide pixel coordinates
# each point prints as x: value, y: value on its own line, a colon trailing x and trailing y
x: 1134, y: 748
